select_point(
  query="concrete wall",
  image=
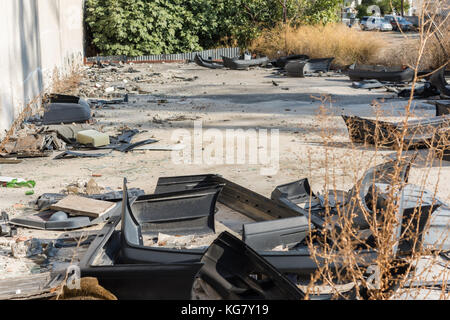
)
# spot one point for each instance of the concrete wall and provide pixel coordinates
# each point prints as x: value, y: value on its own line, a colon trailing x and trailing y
x: 35, y: 37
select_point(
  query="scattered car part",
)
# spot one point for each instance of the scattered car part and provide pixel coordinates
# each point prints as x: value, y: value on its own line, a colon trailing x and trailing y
x: 134, y: 281
x: 207, y: 63
x: 6, y: 230
x: 425, y: 90
x: 442, y: 108
x: 234, y: 196
x: 57, y: 113
x: 419, y: 132
x: 358, y: 72
x: 47, y: 199
x: 437, y: 79
x: 242, y: 64
x: 299, y: 193
x: 236, y: 272
x: 291, y: 195
x: 282, y: 61
x: 177, y: 213
x: 267, y: 235
x: 368, y: 84
x: 419, y: 206
x: 63, y: 98
x: 258, y: 208
x: 300, y: 68
x: 197, y: 214
x: 358, y: 206
x: 72, y: 154
x: 46, y: 221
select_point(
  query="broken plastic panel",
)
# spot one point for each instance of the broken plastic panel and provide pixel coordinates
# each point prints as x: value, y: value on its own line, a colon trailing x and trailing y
x: 241, y: 64
x: 418, y: 207
x: 252, y: 205
x: 190, y: 211
x: 63, y: 98
x: 134, y: 281
x: 442, y: 108
x: 299, y: 68
x: 207, y: 63
x: 419, y: 132
x: 293, y: 194
x: 236, y: 272
x: 177, y: 213
x: 437, y: 79
x: 234, y: 196
x: 56, y: 113
x: 380, y: 73
x: 282, y: 61
x: 267, y: 235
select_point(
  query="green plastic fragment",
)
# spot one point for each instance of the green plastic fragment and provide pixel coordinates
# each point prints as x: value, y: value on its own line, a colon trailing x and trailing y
x: 29, y: 193
x: 15, y: 184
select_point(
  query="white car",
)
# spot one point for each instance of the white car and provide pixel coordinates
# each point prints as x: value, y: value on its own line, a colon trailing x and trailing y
x: 375, y: 23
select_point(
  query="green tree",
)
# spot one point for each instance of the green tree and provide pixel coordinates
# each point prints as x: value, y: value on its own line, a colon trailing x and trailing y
x: 137, y: 27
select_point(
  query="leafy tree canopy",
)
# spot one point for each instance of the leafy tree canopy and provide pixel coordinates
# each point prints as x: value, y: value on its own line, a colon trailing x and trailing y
x: 138, y: 27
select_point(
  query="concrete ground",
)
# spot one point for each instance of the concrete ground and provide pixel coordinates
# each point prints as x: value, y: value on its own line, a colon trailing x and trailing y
x: 227, y: 99
x: 306, y: 111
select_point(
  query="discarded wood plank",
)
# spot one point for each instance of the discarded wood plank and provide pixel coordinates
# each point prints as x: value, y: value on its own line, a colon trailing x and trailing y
x: 31, y: 286
x: 81, y: 206
x: 9, y: 161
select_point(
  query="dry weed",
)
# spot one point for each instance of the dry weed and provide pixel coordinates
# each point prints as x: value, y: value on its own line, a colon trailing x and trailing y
x: 346, y: 45
x: 372, y: 220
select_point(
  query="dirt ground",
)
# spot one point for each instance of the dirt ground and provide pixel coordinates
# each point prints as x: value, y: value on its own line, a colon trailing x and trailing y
x: 173, y: 96
x: 227, y: 99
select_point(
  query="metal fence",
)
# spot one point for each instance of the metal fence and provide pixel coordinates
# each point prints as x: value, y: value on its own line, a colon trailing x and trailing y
x: 215, y: 54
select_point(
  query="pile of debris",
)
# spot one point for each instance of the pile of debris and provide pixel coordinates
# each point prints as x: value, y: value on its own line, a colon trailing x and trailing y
x: 181, y: 242
x: 424, y: 133
x: 294, y: 65
x: 396, y: 79
x: 66, y: 125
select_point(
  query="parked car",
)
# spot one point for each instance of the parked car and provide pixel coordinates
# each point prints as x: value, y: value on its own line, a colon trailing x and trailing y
x: 397, y: 21
x: 375, y: 23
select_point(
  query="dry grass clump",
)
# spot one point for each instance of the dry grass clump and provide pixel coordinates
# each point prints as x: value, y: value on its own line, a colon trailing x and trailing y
x: 433, y: 55
x: 346, y: 45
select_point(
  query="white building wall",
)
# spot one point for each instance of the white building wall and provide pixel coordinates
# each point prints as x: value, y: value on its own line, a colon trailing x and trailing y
x: 36, y: 36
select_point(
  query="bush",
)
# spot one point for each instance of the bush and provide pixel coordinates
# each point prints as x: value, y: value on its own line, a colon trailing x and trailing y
x: 332, y: 40
x: 137, y: 27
